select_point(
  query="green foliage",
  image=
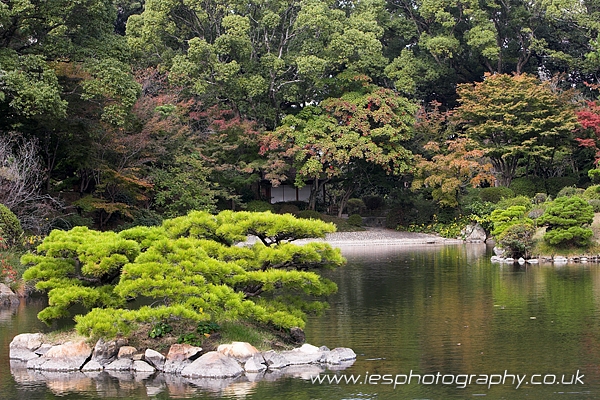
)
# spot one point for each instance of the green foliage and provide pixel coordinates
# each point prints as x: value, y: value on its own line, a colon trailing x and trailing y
x: 190, y: 338
x: 592, y: 192
x: 594, y: 175
x: 190, y: 267
x: 159, y: 330
x: 310, y: 214
x: 373, y: 202
x: 505, y: 218
x: 517, y: 240
x: 355, y: 220
x: 206, y: 328
x: 567, y: 220
x: 515, y: 201
x: 570, y: 191
x: 449, y: 230
x: 259, y: 205
x: 595, y: 203
x: 288, y: 209
x: 355, y: 206
x: 555, y: 184
x: 495, y: 194
x: 525, y: 187
x: 10, y: 227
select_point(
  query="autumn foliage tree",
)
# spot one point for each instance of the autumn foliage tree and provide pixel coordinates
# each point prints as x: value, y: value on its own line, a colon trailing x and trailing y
x: 454, y: 166
x: 517, y: 118
x: 371, y: 124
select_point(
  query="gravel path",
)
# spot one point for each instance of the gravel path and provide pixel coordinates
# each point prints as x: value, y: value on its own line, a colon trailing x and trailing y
x: 381, y: 236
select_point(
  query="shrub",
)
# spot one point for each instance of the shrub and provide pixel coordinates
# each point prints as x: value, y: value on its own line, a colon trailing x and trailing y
x: 288, y: 209
x: 495, y: 194
x: 567, y: 220
x: 10, y: 227
x: 515, y: 201
x: 355, y: 206
x: 259, y: 206
x: 592, y: 192
x: 595, y: 203
x: 594, y: 175
x: 524, y: 187
x: 373, y: 202
x: 554, y: 185
x: 536, y: 212
x: 517, y: 240
x: 310, y: 214
x: 301, y: 205
x: 355, y: 220
x: 504, y: 219
x: 569, y: 191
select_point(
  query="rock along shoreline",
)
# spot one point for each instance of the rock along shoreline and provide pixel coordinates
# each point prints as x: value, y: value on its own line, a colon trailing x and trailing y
x: 31, y: 351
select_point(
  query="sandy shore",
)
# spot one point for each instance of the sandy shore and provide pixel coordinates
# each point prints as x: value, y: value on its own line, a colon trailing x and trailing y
x: 382, y: 237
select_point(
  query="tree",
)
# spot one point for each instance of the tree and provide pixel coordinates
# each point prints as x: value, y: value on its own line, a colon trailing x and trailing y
x: 451, y: 169
x: 517, y: 118
x: 567, y: 220
x: 369, y: 125
x: 190, y: 266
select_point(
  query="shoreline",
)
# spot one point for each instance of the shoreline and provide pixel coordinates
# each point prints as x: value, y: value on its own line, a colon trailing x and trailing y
x: 382, y: 237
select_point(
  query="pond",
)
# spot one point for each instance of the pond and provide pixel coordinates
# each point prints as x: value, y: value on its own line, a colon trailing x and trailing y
x: 427, y: 322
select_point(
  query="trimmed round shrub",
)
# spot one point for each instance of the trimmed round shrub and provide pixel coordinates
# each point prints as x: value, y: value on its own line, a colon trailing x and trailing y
x: 310, y: 214
x: 567, y: 220
x: 355, y: 206
x: 569, y: 191
x: 554, y: 185
x: 259, y: 206
x: 592, y: 192
x: 515, y: 201
x: 595, y: 203
x: 594, y: 175
x: 355, y: 220
x: 517, y: 240
x: 495, y: 194
x: 524, y: 187
x: 288, y: 209
x: 10, y: 227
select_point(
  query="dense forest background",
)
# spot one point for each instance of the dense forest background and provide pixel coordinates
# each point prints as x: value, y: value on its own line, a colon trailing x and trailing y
x: 120, y: 113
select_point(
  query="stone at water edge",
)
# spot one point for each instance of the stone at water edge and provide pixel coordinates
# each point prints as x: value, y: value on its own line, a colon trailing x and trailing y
x: 7, y: 296
x: 241, y: 351
x: 106, y: 352
x: 256, y: 363
x: 142, y: 366
x: 474, y: 233
x: 23, y: 346
x: 275, y: 360
x: 213, y: 365
x: 179, y: 356
x: 155, y: 359
x: 126, y: 352
x: 70, y: 356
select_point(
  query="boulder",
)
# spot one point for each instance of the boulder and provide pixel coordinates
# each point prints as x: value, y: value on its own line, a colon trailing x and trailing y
x: 23, y: 346
x: 498, y: 251
x: 474, y: 233
x: 256, y: 363
x: 142, y: 366
x: 7, y: 296
x: 241, y: 351
x: 275, y: 360
x: 213, y: 365
x: 155, y: 359
x: 92, y: 366
x: 120, y: 364
x: 70, y: 356
x: 179, y: 356
x: 106, y: 352
x: 297, y: 335
x: 126, y: 352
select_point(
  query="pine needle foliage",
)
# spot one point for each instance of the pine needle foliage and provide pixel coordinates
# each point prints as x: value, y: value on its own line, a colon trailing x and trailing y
x: 190, y: 267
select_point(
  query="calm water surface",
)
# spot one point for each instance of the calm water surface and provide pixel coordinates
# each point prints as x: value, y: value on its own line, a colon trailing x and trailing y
x: 425, y: 310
